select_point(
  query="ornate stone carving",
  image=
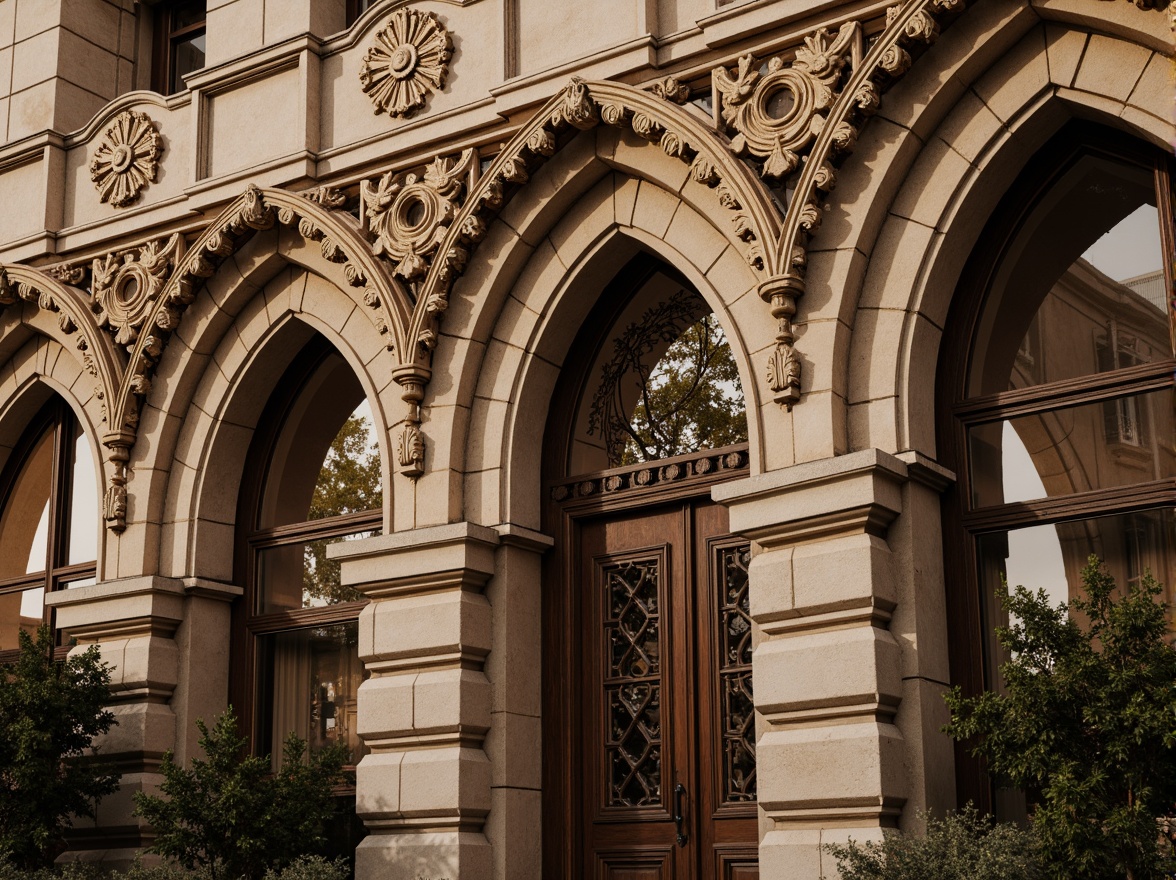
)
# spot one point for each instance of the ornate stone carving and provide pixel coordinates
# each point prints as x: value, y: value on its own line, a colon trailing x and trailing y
x: 126, y: 286
x: 778, y: 114
x: 408, y: 60
x: 67, y: 273
x: 127, y: 158
x: 410, y: 214
x: 669, y: 89
x: 704, y: 466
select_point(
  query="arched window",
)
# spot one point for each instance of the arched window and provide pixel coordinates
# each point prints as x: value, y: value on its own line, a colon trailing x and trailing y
x: 1057, y: 390
x: 312, y: 479
x: 49, y: 520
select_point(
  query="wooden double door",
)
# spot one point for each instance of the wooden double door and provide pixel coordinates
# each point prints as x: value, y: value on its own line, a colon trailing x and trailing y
x: 659, y: 638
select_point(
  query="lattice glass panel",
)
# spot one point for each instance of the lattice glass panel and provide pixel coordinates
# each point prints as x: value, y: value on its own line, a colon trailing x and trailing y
x: 736, y: 705
x: 632, y: 682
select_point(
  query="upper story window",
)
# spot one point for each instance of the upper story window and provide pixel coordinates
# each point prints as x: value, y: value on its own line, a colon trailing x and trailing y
x: 356, y: 8
x: 48, y: 520
x: 179, y: 43
x: 1060, y: 392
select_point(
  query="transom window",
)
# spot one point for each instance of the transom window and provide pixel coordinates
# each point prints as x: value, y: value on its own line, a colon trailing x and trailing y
x: 1062, y: 428
x: 48, y: 520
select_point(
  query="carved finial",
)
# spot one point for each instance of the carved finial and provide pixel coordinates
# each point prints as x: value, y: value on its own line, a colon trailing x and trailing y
x: 127, y: 158
x: 408, y: 60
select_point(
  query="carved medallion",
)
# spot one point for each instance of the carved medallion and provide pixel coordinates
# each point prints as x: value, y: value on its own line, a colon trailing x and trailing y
x: 408, y: 61
x: 409, y: 215
x: 126, y: 160
x: 126, y: 286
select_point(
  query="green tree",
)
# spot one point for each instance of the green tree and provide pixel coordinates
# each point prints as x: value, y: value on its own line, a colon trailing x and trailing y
x: 1087, y: 723
x: 349, y: 481
x: 962, y: 846
x: 230, y: 816
x: 691, y: 399
x: 50, y: 712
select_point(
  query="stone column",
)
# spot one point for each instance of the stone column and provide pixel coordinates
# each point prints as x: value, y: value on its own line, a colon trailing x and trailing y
x: 827, y: 671
x: 424, y: 789
x: 135, y: 621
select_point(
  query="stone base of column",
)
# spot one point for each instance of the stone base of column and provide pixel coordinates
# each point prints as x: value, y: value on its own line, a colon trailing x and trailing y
x: 439, y: 855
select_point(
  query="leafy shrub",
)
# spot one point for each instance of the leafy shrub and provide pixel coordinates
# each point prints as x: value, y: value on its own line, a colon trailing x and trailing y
x: 963, y: 846
x: 312, y: 868
x: 50, y: 712
x: 1086, y: 723
x: 230, y: 817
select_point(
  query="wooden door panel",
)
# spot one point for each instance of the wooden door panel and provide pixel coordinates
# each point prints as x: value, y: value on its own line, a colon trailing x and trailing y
x: 636, y: 864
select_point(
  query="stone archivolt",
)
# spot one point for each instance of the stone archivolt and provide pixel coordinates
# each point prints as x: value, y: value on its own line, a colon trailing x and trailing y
x: 407, y: 62
x: 417, y: 232
x: 127, y: 158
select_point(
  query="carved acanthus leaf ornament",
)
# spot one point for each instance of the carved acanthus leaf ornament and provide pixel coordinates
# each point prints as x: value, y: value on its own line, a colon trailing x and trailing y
x: 127, y: 158
x: 127, y: 285
x: 407, y: 62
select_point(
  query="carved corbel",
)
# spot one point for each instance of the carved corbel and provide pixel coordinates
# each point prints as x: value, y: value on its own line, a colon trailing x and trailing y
x: 783, y: 365
x: 114, y: 501
x: 410, y: 445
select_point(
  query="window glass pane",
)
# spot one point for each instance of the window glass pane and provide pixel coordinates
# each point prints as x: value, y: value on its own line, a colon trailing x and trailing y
x: 189, y: 13
x: 325, y: 461
x: 1080, y: 289
x: 24, y: 610
x: 295, y: 576
x: 187, y: 56
x: 1098, y: 446
x: 1051, y: 557
x: 24, y: 522
x: 83, y: 501
x: 668, y: 386
x: 308, y: 679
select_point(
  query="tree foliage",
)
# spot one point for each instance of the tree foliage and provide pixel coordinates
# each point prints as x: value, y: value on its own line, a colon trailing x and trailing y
x: 50, y: 713
x: 690, y: 400
x: 1087, y: 723
x: 962, y: 846
x: 348, y: 482
x: 230, y: 816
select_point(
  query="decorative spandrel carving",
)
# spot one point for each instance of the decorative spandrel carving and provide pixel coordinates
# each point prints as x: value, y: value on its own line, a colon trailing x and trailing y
x: 736, y: 704
x: 778, y: 114
x: 408, y: 61
x: 409, y: 214
x: 632, y: 682
x: 126, y: 286
x: 127, y: 158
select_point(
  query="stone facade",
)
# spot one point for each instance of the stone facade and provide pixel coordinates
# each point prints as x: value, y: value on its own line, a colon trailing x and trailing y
x: 543, y: 144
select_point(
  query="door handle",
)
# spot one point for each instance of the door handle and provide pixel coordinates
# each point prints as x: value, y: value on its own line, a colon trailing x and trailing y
x: 679, y: 814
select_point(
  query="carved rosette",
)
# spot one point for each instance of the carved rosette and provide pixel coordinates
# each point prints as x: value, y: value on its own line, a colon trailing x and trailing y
x: 410, y: 214
x: 407, y: 62
x: 127, y: 158
x: 126, y: 286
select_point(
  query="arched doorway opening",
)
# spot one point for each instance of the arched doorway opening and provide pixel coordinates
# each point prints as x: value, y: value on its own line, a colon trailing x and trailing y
x: 649, y: 725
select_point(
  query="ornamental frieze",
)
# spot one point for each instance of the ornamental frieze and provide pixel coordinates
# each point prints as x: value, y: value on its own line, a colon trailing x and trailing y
x: 127, y: 158
x: 408, y: 61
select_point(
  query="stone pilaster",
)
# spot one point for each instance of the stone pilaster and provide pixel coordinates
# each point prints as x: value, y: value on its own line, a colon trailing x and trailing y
x: 424, y: 790
x: 134, y: 621
x: 827, y: 672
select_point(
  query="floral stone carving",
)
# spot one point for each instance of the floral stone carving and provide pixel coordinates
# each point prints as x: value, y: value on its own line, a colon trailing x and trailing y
x: 408, y: 61
x: 127, y: 286
x: 127, y: 159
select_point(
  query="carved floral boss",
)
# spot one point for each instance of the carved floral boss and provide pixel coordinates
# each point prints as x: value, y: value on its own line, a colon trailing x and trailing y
x: 408, y: 60
x: 127, y: 158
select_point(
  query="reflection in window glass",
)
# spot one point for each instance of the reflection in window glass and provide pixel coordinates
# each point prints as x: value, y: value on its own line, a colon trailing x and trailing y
x: 20, y: 611
x: 309, y: 679
x: 24, y: 523
x: 83, y: 501
x: 295, y: 576
x: 1119, y: 442
x: 349, y: 480
x: 1080, y: 290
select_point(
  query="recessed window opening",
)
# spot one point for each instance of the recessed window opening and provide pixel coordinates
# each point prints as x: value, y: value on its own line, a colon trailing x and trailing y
x: 49, y: 521
x: 180, y: 43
